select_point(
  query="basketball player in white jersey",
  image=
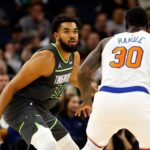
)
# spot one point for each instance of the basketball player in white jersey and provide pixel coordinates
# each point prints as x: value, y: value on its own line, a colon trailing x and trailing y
x: 123, y: 100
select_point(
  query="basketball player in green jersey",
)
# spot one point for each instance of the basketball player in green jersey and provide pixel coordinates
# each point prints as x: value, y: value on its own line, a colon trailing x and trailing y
x: 30, y: 95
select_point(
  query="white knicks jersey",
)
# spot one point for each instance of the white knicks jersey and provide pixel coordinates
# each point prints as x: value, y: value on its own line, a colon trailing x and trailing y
x: 126, y: 60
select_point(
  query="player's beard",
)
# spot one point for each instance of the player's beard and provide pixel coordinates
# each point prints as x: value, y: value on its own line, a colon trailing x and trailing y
x: 68, y: 48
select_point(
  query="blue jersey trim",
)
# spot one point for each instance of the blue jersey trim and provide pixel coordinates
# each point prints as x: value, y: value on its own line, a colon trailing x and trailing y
x: 124, y: 89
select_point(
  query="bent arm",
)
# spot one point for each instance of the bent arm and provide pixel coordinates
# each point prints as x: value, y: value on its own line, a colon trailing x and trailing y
x: 41, y: 64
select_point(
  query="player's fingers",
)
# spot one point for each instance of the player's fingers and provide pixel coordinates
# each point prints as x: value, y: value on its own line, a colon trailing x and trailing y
x: 84, y: 113
x: 79, y: 113
x: 88, y: 112
x: 76, y: 113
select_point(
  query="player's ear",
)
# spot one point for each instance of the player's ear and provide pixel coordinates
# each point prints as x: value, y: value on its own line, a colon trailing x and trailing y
x: 56, y: 35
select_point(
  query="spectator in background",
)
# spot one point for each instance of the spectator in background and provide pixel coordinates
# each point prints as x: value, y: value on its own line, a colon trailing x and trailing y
x: 32, y: 47
x: 11, y: 72
x: 85, y: 31
x: 12, y: 58
x: 4, y: 79
x: 18, y: 39
x: 5, y: 32
x: 71, y: 90
x: 144, y: 3
x: 28, y: 2
x: 1, y: 54
x: 101, y: 25
x: 3, y: 71
x: 108, y: 6
x: 116, y: 24
x: 17, y: 34
x: 70, y: 11
x: 35, y: 21
x: 132, y: 3
x: 3, y: 17
x: 76, y: 126
x: 92, y: 41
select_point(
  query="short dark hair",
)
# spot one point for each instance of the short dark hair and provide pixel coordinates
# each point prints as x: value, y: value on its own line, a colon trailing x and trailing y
x: 136, y: 17
x: 61, y: 18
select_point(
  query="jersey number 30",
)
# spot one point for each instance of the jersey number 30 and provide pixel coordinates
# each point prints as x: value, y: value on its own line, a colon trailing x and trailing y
x: 132, y: 59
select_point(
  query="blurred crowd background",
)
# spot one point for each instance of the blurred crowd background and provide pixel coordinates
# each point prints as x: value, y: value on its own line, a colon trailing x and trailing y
x: 25, y: 26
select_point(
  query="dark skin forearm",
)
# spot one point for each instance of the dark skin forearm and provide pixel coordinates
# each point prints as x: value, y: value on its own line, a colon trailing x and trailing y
x: 91, y: 63
x: 84, y: 86
x: 89, y: 66
x: 84, y: 82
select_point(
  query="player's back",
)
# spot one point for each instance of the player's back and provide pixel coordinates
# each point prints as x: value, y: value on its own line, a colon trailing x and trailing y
x: 126, y: 60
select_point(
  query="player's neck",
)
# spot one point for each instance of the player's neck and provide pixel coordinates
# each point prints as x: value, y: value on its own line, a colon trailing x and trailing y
x: 136, y: 29
x: 63, y: 53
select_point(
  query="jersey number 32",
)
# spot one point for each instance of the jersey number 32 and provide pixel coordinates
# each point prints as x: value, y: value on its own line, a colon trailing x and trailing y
x: 131, y: 58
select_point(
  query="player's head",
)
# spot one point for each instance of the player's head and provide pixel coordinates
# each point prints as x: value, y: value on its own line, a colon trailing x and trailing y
x: 137, y: 18
x: 65, y: 30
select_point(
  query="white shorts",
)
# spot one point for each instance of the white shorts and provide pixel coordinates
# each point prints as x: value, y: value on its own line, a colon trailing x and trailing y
x: 113, y: 111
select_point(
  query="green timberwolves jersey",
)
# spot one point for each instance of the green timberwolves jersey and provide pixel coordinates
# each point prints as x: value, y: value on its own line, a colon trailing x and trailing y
x: 46, y: 90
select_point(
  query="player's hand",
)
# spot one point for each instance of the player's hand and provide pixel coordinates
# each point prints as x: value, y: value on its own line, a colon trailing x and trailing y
x: 85, y: 109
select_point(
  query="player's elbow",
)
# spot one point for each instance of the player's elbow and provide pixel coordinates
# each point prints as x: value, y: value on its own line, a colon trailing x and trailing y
x: 80, y: 73
x: 12, y: 87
